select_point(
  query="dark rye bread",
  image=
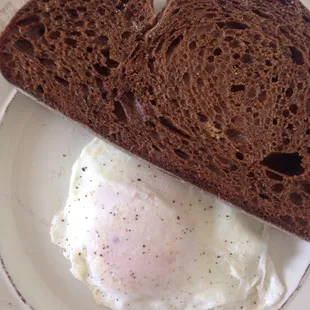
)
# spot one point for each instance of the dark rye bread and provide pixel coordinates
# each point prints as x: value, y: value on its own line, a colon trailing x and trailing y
x: 215, y: 92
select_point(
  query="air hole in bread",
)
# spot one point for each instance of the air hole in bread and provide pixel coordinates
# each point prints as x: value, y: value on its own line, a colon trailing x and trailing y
x: 217, y: 52
x: 202, y: 118
x: 126, y: 35
x: 262, y: 96
x: 234, y: 44
x: 210, y: 59
x: 101, y: 11
x: 111, y: 63
x: 102, y: 40
x: 273, y: 176
x: 221, y: 24
x: 129, y: 14
x: 286, y: 113
x: 308, y: 132
x: 91, y: 24
x: 260, y: 13
x: 89, y: 49
x: 120, y: 7
x: 256, y: 122
x: 264, y: 196
x: 119, y: 112
x: 275, y: 121
x: 238, y: 120
x: 200, y: 83
x: 84, y: 90
x: 70, y: 42
x: 132, y: 106
x: 294, y: 108
x: 289, y: 92
x: 236, y: 25
x: 290, y: 127
x: 223, y: 160
x: 102, y: 70
x: 240, y: 156
x: 175, y: 11
x: 193, y: 45
x: 156, y: 148
x: 210, y: 15
x: 28, y: 20
x: 168, y: 124
x: 234, y: 135
x: 237, y: 88
x: 150, y: 124
x: 40, y: 89
x: 58, y: 17
x: 277, y: 188
x: 66, y: 70
x: 104, y: 95
x: 186, y: 77
x: 285, y: 2
x: 275, y: 79
x: 75, y: 33
x: 297, y: 56
x: 236, y: 56
x: 233, y: 167
x: 215, y: 169
x: 61, y: 81
x: 306, y: 19
x: 228, y: 39
x: 73, y: 13
x: 154, y: 102
x: 82, y: 9
x: 247, y: 59
x: 251, y: 174
x: 296, y: 199
x: 106, y: 53
x: 150, y: 64
x: 90, y: 33
x: 24, y: 46
x: 268, y: 63
x: 181, y: 154
x: 54, y: 35
x: 284, y: 163
x: 79, y: 23
x: 174, y: 44
x: 47, y: 63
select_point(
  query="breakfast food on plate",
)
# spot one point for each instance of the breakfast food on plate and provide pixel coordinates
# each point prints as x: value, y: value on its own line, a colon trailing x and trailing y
x: 215, y: 92
x: 140, y: 239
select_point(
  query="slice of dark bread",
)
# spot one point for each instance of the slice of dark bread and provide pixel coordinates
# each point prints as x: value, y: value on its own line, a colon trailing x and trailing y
x: 216, y: 92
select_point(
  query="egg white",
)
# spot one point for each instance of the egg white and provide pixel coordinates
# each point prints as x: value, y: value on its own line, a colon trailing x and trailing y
x: 140, y: 239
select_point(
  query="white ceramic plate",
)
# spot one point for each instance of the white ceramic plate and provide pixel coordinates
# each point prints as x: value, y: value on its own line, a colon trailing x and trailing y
x: 37, y: 150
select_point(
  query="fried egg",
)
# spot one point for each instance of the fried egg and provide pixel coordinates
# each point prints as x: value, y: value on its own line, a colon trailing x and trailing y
x: 141, y: 239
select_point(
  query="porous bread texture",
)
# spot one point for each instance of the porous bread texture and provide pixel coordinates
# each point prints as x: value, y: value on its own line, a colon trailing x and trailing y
x: 215, y: 92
